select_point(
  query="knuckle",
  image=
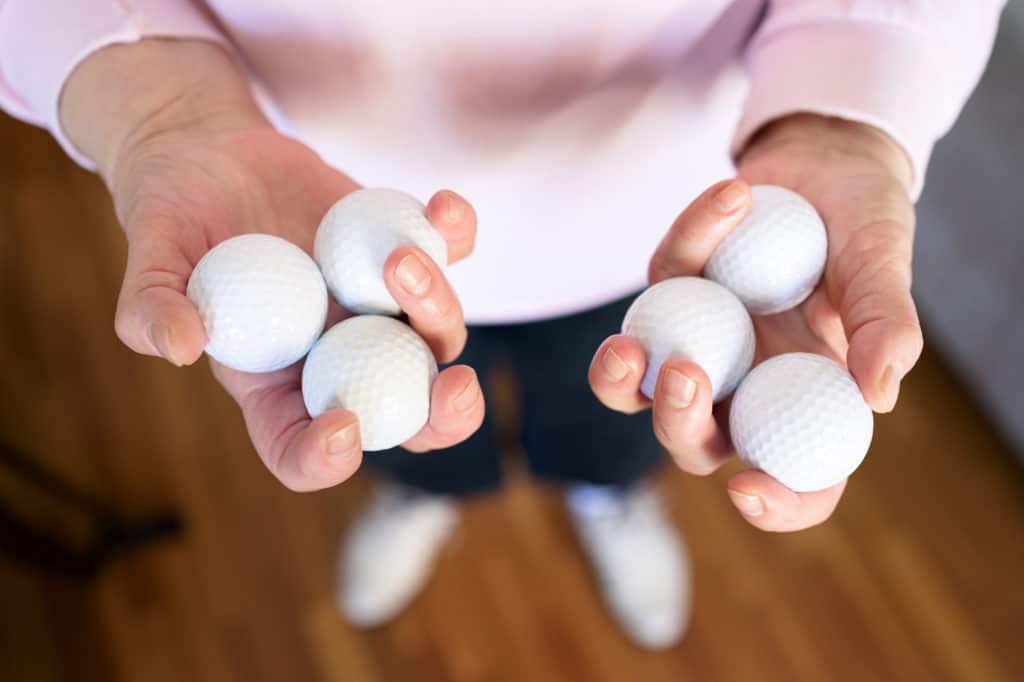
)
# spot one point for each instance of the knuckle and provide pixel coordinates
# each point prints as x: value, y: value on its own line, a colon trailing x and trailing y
x: 871, y: 273
x: 880, y: 244
x: 871, y: 254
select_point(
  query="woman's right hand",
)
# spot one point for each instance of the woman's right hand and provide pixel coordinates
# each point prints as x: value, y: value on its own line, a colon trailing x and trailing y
x: 190, y: 161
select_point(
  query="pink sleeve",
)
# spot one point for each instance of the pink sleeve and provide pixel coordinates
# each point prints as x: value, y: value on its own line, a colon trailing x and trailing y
x: 904, y: 67
x: 42, y: 41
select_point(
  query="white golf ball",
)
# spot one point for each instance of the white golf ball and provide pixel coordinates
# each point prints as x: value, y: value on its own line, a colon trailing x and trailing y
x: 378, y: 368
x: 774, y: 258
x: 262, y: 300
x: 801, y: 418
x: 696, y: 319
x: 357, y: 235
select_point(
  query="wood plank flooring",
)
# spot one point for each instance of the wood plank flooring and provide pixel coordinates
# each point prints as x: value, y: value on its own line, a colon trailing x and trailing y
x: 917, y: 577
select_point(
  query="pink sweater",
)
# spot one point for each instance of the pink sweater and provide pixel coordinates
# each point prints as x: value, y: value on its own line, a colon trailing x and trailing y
x: 578, y: 129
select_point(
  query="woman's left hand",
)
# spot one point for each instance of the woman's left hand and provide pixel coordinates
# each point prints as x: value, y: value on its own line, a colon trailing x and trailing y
x: 861, y: 313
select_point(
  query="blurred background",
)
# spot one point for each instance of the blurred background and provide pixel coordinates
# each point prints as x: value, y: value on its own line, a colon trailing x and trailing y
x: 141, y: 539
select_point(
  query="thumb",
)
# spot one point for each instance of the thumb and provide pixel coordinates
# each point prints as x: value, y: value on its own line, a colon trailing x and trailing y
x: 878, y: 312
x: 154, y: 317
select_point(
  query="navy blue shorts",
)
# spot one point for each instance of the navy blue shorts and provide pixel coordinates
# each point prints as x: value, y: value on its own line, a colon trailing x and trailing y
x: 568, y: 436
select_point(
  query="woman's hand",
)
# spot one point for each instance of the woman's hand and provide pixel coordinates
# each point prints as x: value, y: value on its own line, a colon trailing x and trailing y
x: 190, y: 161
x: 861, y: 313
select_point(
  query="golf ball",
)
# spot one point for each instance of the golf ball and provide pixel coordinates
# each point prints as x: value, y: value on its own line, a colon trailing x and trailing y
x: 378, y: 368
x: 262, y: 300
x: 800, y: 418
x: 357, y: 235
x: 696, y: 319
x: 774, y: 258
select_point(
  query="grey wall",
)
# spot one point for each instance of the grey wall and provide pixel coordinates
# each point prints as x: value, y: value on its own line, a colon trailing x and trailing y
x: 969, y: 255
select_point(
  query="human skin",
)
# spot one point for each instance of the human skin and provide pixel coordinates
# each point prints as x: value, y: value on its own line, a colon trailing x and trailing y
x: 190, y: 160
x: 862, y: 313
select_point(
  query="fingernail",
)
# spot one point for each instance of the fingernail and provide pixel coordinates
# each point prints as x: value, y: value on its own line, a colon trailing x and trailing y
x: 615, y: 368
x: 680, y: 389
x: 891, y: 384
x: 730, y: 197
x: 749, y: 505
x: 465, y: 401
x: 413, y: 275
x: 454, y: 209
x: 341, y: 443
x: 160, y: 337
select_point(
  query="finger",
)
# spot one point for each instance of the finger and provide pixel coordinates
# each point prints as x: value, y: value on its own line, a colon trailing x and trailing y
x: 423, y: 292
x: 455, y: 218
x: 825, y: 323
x: 682, y: 417
x: 304, y: 454
x: 696, y: 232
x: 873, y: 291
x: 154, y: 317
x: 456, y: 410
x: 616, y: 372
x: 769, y: 505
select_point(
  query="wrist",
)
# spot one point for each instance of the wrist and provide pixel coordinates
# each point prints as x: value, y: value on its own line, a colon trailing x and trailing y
x: 123, y: 95
x: 817, y: 135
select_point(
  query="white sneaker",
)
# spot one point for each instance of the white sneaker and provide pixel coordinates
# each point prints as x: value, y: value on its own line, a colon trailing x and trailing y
x: 390, y: 552
x: 639, y: 559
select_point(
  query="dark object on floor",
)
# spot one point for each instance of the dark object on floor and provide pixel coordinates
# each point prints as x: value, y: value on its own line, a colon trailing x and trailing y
x: 111, y: 534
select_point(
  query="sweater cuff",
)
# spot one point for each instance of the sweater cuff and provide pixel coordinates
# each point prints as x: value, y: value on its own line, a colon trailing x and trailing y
x: 886, y: 76
x: 42, y: 41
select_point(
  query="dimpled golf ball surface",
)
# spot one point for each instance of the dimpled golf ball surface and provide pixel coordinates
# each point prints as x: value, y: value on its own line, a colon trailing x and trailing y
x: 378, y: 368
x: 262, y: 300
x: 800, y: 418
x: 774, y: 258
x: 357, y: 235
x: 696, y: 319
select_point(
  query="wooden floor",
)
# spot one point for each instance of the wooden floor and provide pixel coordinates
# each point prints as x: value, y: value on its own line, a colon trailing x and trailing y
x: 919, y: 576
